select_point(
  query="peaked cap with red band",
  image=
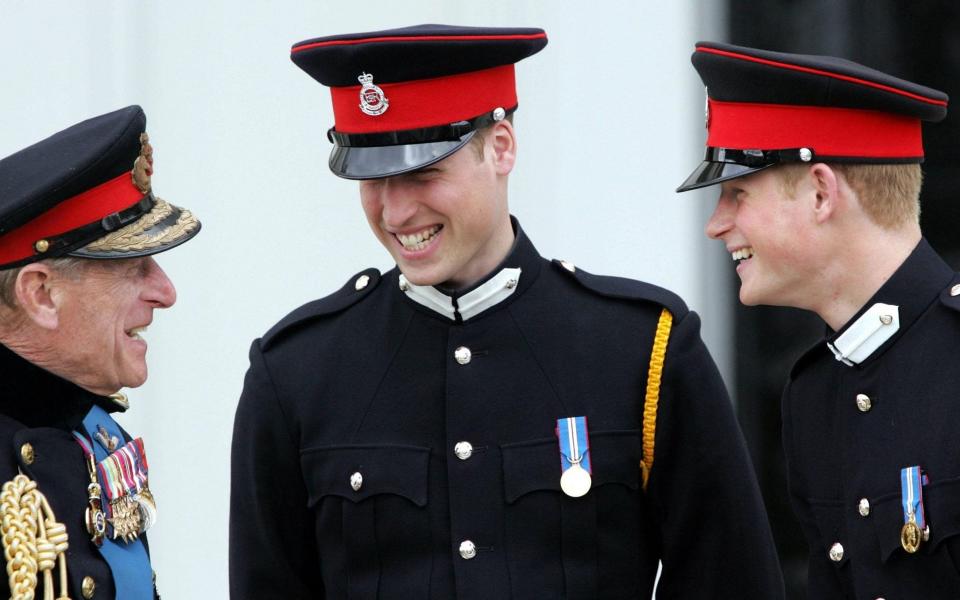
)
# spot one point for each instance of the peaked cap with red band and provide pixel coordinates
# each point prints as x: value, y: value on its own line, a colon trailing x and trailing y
x: 766, y: 108
x: 86, y: 192
x: 406, y: 98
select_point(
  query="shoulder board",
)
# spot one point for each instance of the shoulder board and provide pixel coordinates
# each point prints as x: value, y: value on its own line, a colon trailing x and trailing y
x: 950, y: 296
x: 358, y: 287
x: 625, y: 289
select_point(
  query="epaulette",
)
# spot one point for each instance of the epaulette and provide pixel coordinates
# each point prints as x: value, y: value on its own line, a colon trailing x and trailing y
x: 358, y: 287
x: 673, y: 308
x: 950, y: 296
x: 625, y: 289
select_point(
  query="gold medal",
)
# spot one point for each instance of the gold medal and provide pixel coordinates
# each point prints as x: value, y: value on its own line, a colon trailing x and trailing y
x: 575, y: 481
x: 126, y: 518
x: 911, y: 535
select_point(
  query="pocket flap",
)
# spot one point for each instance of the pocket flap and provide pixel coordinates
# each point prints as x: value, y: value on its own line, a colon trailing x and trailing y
x: 535, y: 465
x: 941, y: 504
x: 383, y: 469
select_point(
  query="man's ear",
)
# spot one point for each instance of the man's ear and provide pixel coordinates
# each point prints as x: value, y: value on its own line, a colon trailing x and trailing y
x: 35, y: 295
x: 826, y: 185
x: 503, y: 143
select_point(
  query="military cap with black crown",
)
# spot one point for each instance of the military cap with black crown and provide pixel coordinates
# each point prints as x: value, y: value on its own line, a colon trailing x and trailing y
x: 765, y: 108
x: 86, y: 192
x: 406, y: 98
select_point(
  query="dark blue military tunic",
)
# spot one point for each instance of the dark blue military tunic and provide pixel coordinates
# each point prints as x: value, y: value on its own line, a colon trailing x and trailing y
x: 38, y: 412
x: 849, y: 430
x: 386, y: 449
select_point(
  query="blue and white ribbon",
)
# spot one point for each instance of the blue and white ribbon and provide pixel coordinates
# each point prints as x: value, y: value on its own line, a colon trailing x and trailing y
x: 911, y: 496
x: 574, y: 443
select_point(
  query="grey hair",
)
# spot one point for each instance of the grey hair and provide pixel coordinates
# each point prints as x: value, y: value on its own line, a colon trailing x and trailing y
x: 8, y: 277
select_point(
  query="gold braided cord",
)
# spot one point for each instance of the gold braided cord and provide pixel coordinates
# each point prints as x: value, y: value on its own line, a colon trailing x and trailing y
x: 32, y: 540
x: 652, y: 400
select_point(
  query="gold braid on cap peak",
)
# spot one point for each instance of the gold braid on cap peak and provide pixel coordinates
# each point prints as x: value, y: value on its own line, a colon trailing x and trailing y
x: 32, y: 540
x: 143, y: 166
x: 132, y: 238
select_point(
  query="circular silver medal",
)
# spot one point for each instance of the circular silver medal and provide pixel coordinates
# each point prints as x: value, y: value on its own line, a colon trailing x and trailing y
x: 575, y: 481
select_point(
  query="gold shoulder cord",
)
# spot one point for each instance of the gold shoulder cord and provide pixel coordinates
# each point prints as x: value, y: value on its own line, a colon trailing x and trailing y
x: 32, y: 540
x: 652, y: 399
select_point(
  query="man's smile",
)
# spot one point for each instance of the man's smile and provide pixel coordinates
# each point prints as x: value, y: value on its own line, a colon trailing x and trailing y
x: 418, y: 240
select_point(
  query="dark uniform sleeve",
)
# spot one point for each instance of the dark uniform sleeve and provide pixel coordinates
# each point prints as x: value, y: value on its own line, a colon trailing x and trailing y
x: 272, y: 549
x: 715, y: 537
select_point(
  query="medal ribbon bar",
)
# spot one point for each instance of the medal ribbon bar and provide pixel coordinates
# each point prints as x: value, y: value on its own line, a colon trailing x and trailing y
x: 574, y: 443
x: 124, y: 471
x: 914, y: 529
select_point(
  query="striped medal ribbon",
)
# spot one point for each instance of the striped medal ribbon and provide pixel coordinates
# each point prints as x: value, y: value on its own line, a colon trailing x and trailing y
x: 575, y: 468
x: 915, y: 529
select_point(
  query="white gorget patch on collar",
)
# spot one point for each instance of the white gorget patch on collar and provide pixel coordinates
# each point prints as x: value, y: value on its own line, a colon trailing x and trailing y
x: 495, y: 290
x: 866, y: 334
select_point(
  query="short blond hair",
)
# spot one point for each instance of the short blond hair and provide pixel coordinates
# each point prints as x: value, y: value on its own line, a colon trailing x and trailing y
x: 888, y: 193
x: 480, y: 137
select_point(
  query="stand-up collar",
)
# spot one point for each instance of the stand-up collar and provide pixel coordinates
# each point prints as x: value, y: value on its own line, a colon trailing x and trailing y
x: 894, y: 308
x: 510, y: 278
x: 38, y: 398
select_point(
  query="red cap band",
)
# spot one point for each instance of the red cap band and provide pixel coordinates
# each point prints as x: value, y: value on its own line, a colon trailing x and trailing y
x: 828, y: 131
x: 90, y: 206
x: 427, y: 102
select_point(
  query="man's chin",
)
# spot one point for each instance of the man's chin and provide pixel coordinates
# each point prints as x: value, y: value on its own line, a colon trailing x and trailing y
x: 749, y: 299
x: 135, y: 378
x: 422, y: 277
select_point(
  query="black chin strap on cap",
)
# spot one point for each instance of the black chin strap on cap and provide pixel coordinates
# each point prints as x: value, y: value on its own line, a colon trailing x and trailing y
x: 724, y: 164
x: 758, y: 158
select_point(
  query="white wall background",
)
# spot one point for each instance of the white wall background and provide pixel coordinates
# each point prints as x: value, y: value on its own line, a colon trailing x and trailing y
x: 610, y: 122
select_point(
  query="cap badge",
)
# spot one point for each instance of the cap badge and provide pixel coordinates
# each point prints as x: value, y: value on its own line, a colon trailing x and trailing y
x: 372, y: 100
x: 143, y: 166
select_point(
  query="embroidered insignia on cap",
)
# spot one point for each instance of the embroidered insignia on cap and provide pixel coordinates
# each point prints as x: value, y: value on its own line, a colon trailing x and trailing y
x: 372, y: 100
x: 143, y: 166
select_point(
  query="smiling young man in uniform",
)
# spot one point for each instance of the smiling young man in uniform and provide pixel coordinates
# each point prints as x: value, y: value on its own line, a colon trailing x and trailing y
x: 817, y: 159
x: 479, y: 422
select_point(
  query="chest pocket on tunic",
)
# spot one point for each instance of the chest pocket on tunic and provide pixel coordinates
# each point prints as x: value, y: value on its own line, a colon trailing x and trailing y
x: 592, y: 536
x: 937, y: 562
x: 370, y: 502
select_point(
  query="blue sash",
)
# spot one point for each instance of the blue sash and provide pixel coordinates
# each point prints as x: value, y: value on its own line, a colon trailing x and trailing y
x: 129, y: 563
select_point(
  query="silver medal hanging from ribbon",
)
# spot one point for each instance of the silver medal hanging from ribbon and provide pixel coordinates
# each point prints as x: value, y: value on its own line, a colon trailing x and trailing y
x: 575, y: 467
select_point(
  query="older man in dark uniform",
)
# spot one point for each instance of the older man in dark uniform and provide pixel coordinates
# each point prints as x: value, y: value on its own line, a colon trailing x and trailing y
x: 479, y: 422
x: 818, y: 162
x: 78, y: 225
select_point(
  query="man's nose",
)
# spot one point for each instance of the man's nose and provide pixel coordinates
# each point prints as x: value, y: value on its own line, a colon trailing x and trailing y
x: 160, y: 290
x: 721, y: 221
x: 399, y: 203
